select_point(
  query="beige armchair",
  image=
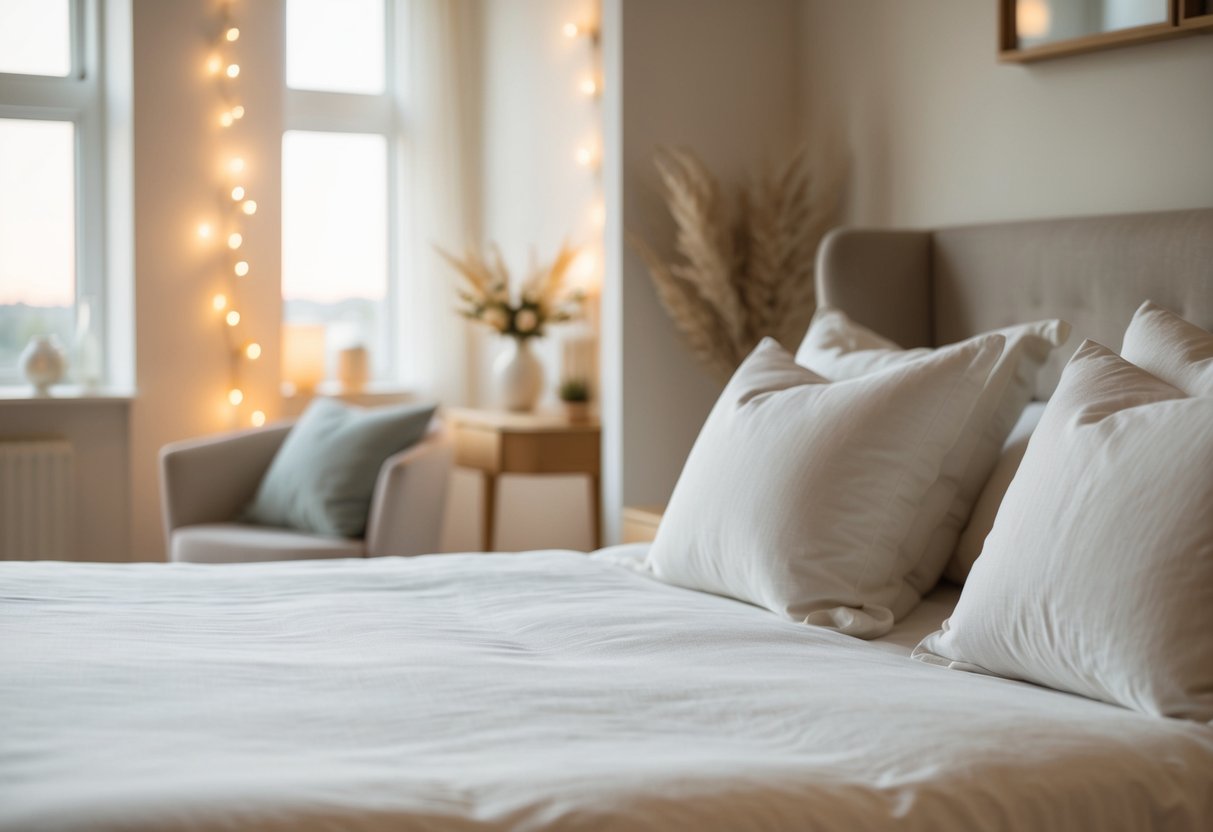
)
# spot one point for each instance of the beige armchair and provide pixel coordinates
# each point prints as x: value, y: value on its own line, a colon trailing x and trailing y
x: 205, y: 483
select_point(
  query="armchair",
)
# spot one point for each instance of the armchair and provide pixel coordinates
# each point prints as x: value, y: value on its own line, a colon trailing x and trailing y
x: 205, y: 483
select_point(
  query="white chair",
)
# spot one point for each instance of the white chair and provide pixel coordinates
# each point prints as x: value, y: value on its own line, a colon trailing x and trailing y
x: 206, y: 483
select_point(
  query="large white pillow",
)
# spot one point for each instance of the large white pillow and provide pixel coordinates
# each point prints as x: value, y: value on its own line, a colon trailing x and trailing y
x: 838, y: 348
x: 1097, y: 577
x: 1176, y: 351
x: 798, y: 493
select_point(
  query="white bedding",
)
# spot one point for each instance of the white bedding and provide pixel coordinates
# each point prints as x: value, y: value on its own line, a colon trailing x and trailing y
x: 536, y: 691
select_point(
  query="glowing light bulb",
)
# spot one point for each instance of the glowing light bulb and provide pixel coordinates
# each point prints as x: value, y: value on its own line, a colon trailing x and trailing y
x: 236, y: 165
x: 204, y: 231
x: 584, y: 156
x: 570, y: 29
x: 213, y: 64
x: 235, y: 396
x: 253, y: 351
x: 238, y: 193
x: 234, y: 241
x: 225, y: 119
x: 232, y: 34
x: 238, y: 111
x: 1032, y: 18
x: 219, y: 302
x: 241, y: 268
x: 249, y: 207
x: 232, y: 318
x: 233, y: 70
x: 588, y: 86
x: 257, y: 418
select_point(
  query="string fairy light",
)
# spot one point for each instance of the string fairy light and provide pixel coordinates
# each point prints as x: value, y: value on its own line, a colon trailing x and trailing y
x: 580, y: 347
x: 223, y: 67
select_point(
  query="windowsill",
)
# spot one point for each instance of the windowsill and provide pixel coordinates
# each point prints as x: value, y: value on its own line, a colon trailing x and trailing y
x: 375, y: 393
x: 64, y: 394
x: 334, y: 390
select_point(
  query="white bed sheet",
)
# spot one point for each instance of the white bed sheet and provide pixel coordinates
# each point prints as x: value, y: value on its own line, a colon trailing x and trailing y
x: 537, y: 691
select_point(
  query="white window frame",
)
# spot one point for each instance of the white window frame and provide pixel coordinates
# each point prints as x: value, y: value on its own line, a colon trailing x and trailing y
x: 78, y: 98
x: 320, y: 111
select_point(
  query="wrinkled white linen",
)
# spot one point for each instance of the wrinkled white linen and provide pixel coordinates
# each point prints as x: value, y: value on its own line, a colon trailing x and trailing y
x: 537, y: 691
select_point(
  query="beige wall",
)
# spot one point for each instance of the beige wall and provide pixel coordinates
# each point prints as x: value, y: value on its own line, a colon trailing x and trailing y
x: 715, y: 76
x: 940, y: 133
x: 182, y: 362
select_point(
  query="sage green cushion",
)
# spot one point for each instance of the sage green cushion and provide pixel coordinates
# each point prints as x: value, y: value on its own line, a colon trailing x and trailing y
x: 322, y: 478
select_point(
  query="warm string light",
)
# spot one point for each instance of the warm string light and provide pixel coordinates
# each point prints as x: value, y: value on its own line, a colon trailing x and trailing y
x: 223, y: 67
x: 584, y: 155
x: 588, y: 153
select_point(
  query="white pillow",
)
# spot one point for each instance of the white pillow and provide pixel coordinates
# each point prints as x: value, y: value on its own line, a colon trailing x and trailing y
x: 1171, y: 348
x: 1097, y: 577
x: 838, y: 348
x: 981, y: 518
x: 798, y: 493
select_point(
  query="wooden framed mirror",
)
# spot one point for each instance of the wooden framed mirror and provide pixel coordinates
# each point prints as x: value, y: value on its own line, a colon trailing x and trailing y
x: 1196, y: 14
x: 1034, y: 30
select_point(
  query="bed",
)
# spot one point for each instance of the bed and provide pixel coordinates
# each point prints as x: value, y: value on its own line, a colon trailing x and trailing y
x: 551, y: 690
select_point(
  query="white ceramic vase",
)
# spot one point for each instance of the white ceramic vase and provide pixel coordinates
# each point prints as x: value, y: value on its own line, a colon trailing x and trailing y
x: 518, y: 377
x: 43, y: 363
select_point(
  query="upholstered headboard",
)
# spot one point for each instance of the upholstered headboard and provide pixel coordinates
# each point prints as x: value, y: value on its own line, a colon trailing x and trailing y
x: 935, y: 287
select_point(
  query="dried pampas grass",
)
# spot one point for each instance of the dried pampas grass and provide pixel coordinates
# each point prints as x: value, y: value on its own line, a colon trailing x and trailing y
x: 745, y: 273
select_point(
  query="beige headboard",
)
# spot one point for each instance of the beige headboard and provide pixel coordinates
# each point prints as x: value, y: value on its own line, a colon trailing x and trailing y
x: 935, y: 287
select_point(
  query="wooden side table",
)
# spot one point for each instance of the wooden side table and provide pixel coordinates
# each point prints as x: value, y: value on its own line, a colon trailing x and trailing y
x: 496, y: 442
x: 640, y: 523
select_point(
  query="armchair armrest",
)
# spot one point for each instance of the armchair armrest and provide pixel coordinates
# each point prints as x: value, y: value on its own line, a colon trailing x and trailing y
x: 410, y: 498
x: 209, y: 480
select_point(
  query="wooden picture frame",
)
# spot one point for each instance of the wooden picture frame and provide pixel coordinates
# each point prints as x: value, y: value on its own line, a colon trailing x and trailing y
x: 1185, y: 17
x: 1196, y: 14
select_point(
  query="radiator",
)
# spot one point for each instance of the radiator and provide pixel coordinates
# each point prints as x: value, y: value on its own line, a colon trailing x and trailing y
x: 37, y: 517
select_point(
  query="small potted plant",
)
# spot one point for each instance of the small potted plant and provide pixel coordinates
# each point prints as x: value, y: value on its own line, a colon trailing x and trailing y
x: 575, y: 393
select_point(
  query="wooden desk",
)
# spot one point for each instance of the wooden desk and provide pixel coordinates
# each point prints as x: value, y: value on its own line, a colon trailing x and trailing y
x: 496, y: 442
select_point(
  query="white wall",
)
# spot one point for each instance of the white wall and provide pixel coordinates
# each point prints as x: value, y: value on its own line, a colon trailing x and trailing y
x: 714, y: 76
x: 940, y: 133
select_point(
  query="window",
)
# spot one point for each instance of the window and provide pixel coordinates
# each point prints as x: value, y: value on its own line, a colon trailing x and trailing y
x: 347, y: 57
x: 51, y: 278
x: 338, y: 166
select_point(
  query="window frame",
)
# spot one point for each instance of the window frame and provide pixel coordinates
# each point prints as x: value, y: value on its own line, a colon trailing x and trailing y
x: 325, y: 111
x: 78, y: 98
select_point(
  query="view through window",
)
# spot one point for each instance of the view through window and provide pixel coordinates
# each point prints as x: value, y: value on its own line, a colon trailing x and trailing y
x: 37, y: 233
x: 336, y: 173
x: 41, y: 179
